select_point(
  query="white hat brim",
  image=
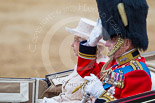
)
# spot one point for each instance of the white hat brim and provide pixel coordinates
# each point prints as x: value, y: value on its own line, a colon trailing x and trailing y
x: 82, y: 35
x: 77, y: 33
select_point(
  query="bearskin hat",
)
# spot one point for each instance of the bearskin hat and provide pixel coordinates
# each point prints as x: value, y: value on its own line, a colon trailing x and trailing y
x: 136, y: 13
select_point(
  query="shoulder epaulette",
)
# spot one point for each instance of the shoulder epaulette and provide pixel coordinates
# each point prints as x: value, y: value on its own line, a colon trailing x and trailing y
x: 136, y: 65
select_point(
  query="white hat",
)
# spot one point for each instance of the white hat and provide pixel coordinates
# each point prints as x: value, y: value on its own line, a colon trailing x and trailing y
x: 84, y: 29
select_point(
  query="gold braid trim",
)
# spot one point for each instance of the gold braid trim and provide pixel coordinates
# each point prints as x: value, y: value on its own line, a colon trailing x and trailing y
x: 103, y: 73
x: 131, y: 64
x: 116, y: 47
x: 127, y: 57
x: 139, y: 65
x: 107, y: 96
x: 136, y: 65
x: 87, y: 55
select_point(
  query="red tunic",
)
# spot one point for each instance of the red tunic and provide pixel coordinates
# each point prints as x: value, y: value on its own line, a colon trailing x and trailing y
x: 135, y: 81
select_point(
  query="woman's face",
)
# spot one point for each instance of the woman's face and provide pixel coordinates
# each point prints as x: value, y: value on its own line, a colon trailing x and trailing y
x: 75, y: 44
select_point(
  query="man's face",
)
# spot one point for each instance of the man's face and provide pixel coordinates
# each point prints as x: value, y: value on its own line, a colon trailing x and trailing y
x: 111, y: 43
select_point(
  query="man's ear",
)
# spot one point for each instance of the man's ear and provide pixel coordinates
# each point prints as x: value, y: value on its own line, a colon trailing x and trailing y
x: 127, y: 44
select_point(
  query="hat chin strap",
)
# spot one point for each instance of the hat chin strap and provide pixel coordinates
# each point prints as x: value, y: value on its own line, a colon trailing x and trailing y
x: 120, y: 41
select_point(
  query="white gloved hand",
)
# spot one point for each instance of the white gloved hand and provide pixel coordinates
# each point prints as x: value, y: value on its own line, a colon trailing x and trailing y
x: 94, y: 87
x: 96, y: 34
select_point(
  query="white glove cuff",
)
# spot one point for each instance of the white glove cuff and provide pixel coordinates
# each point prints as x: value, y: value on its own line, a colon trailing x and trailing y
x: 99, y: 92
x: 93, y: 42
